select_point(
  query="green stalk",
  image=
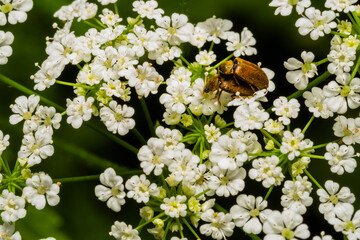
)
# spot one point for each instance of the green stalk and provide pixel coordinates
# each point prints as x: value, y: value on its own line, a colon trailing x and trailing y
x: 167, y: 228
x: 308, y: 124
x: 321, y: 62
x: 150, y: 221
x: 225, y: 59
x: 76, y: 179
x: 100, y: 23
x: 268, y: 192
x: 139, y: 136
x: 5, y: 165
x: 190, y: 228
x: 317, y: 146
x: 355, y: 69
x: 27, y: 91
x: 339, y: 34
x: 313, y: 179
x: 312, y: 84
x: 116, y: 9
x: 184, y: 60
x: 147, y: 116
x: 73, y: 84
x: 92, y: 25
x: 270, y: 137
x: 312, y: 156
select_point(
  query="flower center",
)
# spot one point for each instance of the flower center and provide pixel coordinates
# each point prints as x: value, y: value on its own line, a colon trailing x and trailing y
x: 293, y: 2
x: 41, y: 190
x: 254, y: 212
x: 34, y: 148
x: 114, y: 191
x: 233, y: 153
x: 118, y: 117
x: 350, y: 226
x: 47, y: 121
x: 156, y: 159
x: 287, y: 233
x: 6, y: 8
x: 27, y: 116
x: 334, y: 199
x: 344, y: 92
x: 171, y: 30
x: 306, y: 67
x: 318, y: 23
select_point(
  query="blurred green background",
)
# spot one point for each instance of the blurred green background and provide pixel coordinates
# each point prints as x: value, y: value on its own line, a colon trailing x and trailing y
x: 80, y: 215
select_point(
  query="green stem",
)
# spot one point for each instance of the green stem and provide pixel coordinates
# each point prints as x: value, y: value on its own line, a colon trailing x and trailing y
x: 147, y: 116
x: 268, y: 192
x: 270, y: 137
x: 355, y: 69
x: 313, y: 179
x: 313, y: 83
x: 27, y: 91
x: 100, y: 23
x: 225, y: 59
x: 321, y: 62
x: 226, y: 125
x: 312, y: 156
x: 184, y: 60
x: 73, y: 84
x: 308, y: 124
x: 317, y: 146
x: 92, y: 25
x: 139, y: 136
x: 339, y: 34
x: 167, y: 228
x: 151, y: 220
x: 116, y: 9
x: 211, y: 46
x: 6, y: 166
x: 220, y: 208
x: 76, y: 179
x: 356, y: 18
x: 190, y: 228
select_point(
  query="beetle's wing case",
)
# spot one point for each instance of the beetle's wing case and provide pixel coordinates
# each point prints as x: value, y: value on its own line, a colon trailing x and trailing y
x: 250, y: 73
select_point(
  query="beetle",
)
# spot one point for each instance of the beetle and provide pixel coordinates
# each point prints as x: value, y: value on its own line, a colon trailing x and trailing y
x: 239, y: 77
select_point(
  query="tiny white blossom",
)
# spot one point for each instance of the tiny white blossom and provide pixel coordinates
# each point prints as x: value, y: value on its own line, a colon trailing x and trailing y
x: 292, y: 143
x: 286, y: 109
x: 205, y: 58
x: 117, y: 118
x: 79, y: 110
x: 109, y: 18
x: 140, y: 188
x: 220, y: 225
x: 177, y: 97
x: 341, y: 59
x: 341, y: 5
x: 111, y: 190
x: 284, y: 7
x: 105, y: 2
x: 6, y: 39
x: 212, y: 133
x: 12, y: 206
x: 241, y: 44
x: 4, y: 141
x: 172, y: 137
x: 346, y: 221
x: 315, y: 101
x: 122, y: 231
x: 308, y: 69
x: 174, y: 206
x: 15, y: 10
x: 7, y: 231
x: 250, y: 116
x: 265, y: 170
x: 316, y: 23
x: 148, y: 9
x: 348, y: 129
x: 340, y: 158
x: 24, y: 108
x: 217, y: 28
x: 41, y: 189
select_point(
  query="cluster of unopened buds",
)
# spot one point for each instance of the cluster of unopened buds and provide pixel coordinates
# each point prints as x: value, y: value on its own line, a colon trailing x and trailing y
x: 198, y: 155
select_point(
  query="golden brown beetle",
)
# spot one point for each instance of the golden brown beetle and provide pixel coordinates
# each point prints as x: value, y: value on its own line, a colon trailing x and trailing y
x: 239, y: 77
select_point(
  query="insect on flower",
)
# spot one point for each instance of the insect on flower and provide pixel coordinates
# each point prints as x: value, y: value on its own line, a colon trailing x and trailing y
x: 239, y: 77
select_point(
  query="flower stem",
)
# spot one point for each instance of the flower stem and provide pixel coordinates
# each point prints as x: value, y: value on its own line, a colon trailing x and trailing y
x: 312, y: 156
x: 139, y: 136
x: 268, y: 192
x: 100, y: 23
x: 355, y: 69
x: 6, y: 166
x: 313, y: 83
x: 147, y: 116
x: 147, y: 222
x: 116, y: 8
x: 271, y: 137
x: 92, y: 25
x: 312, y: 179
x: 308, y: 124
x: 190, y: 228
x: 321, y: 62
x: 225, y: 59
x: 339, y: 34
x: 77, y: 179
x: 167, y: 228
x: 184, y: 60
x: 73, y: 84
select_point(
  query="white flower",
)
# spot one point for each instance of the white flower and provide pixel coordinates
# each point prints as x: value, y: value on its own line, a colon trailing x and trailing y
x: 109, y: 18
x: 146, y: 80
x: 112, y: 190
x: 16, y: 10
x: 323, y: 237
x: 6, y: 39
x: 12, y: 206
x: 49, y: 117
x: 199, y: 36
x: 297, y: 195
x: 172, y: 137
x: 286, y: 109
x: 348, y: 129
x: 346, y: 221
x: 227, y: 182
x: 78, y: 110
x: 315, y: 101
x: 183, y: 165
x: 249, y: 213
x: 7, y: 232
x: 340, y: 158
x: 285, y: 225
x: 41, y: 189
x: 341, y: 59
x: 332, y: 196
x: 153, y: 156
x: 216, y: 28
x: 143, y: 39
x: 292, y: 143
x: 105, y: 2
x: 241, y: 44
x: 316, y: 23
x: 220, y: 224
x: 308, y: 69
x: 174, y: 206
x: 228, y: 153
x: 35, y: 147
x: 4, y: 141
x: 140, y: 188
x: 117, y: 118
x: 176, y: 29
x: 164, y: 53
x: 342, y: 93
x: 273, y: 126
x: 212, y: 133
x: 265, y: 170
x: 24, y: 108
x: 341, y: 5
x: 284, y: 7
x: 171, y: 118
x: 49, y: 71
x: 250, y: 116
x: 177, y: 97
x: 205, y: 58
x: 122, y: 231
x: 80, y: 9
x: 148, y: 9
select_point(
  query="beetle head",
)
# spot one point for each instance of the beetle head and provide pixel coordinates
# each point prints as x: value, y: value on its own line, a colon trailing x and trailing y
x: 212, y: 84
x: 226, y: 68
